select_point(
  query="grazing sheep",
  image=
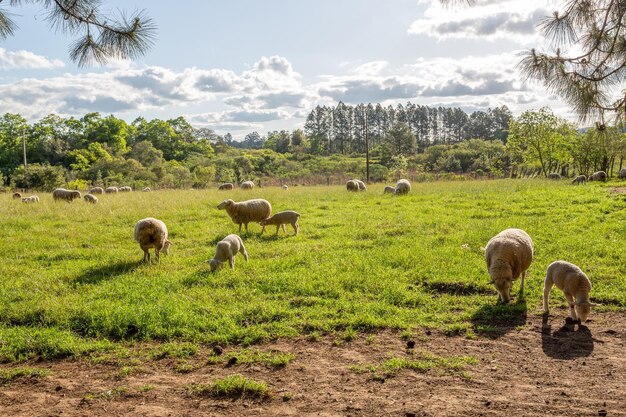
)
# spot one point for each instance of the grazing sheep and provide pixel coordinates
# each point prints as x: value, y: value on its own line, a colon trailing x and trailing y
x: 352, y: 185
x: 125, y: 189
x: 16, y: 196
x: 285, y: 187
x: 247, y: 185
x: 598, y: 176
x: 90, y: 198
x: 361, y: 185
x: 146, y: 189
x: 389, y: 190
x: 111, y: 190
x: 281, y: 219
x: 247, y: 211
x: 152, y: 233
x: 554, y: 176
x: 227, y: 186
x: 67, y: 195
x: 96, y: 190
x: 403, y: 187
x: 579, y: 179
x: 226, y: 249
x: 575, y: 286
x: 31, y: 199
x: 508, y: 254
x: 622, y: 174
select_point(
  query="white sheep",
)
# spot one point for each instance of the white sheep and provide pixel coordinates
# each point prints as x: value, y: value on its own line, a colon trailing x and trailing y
x: 90, y: 198
x: 96, y: 190
x: 247, y: 185
x: 579, y: 179
x: 389, y: 190
x: 226, y: 249
x: 111, y: 190
x: 31, y: 199
x: 281, y: 219
x: 17, y: 195
x: 598, y: 176
x: 247, y: 211
x: 285, y: 187
x: 575, y: 286
x: 403, y: 186
x: 152, y: 233
x: 508, y: 254
x: 622, y: 174
x: 67, y: 195
x: 361, y: 185
x: 146, y: 189
x: 125, y: 189
x: 227, y: 186
x: 352, y: 185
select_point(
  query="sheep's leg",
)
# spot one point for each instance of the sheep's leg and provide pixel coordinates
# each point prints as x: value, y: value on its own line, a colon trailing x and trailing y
x: 295, y: 227
x: 277, y: 227
x: 572, y: 310
x: 158, y: 255
x: 244, y: 253
x: 521, y: 287
x: 262, y: 229
x: 146, y: 256
x: 547, y: 286
x: 231, y: 261
x: 240, y: 227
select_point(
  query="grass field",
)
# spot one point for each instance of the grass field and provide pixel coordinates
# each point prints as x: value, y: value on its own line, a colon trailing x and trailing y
x: 71, y: 280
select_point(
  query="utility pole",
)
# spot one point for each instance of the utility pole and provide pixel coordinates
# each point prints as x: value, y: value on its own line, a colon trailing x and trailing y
x: 24, y: 148
x: 367, y: 148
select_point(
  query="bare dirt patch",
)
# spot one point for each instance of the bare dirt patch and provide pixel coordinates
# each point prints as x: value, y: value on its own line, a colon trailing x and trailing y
x: 618, y: 190
x: 543, y: 367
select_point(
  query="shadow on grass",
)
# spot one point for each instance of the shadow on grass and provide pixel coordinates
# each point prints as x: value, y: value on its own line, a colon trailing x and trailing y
x: 456, y: 288
x: 570, y: 341
x: 496, y: 320
x: 106, y: 272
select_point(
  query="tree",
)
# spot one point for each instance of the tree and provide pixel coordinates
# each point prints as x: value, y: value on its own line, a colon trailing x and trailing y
x: 399, y: 141
x: 99, y: 37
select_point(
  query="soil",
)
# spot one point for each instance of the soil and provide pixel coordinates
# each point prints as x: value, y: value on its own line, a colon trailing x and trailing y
x: 543, y: 367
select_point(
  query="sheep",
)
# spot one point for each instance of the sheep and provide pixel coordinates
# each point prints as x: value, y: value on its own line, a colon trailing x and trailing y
x: 247, y: 211
x: 285, y: 187
x: 598, y: 176
x: 152, y: 233
x: 125, y: 189
x: 352, y: 186
x: 31, y: 199
x: 67, y: 195
x: 361, y: 185
x: 96, y: 190
x: 111, y: 190
x: 389, y: 190
x: 227, y: 186
x: 90, y: 198
x: 508, y: 254
x: 16, y: 196
x: 281, y: 219
x: 579, y: 179
x: 575, y: 286
x: 226, y: 249
x: 402, y: 187
x: 146, y: 189
x: 622, y: 174
x: 554, y: 176
x: 247, y: 185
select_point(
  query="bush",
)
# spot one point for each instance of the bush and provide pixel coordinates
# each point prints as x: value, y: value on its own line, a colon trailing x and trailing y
x: 39, y: 177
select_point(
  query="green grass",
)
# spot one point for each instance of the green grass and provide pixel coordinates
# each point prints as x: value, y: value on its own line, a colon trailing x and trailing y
x: 232, y: 386
x: 454, y: 365
x: 10, y: 375
x: 71, y: 280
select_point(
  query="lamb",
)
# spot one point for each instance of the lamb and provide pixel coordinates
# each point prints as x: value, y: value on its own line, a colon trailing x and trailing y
x: 575, y: 285
x: 281, y: 219
x: 125, y: 189
x: 96, y: 190
x: 579, y: 179
x: 67, y: 195
x: 90, y: 198
x: 285, y: 187
x: 352, y: 185
x: 389, y: 190
x: 16, y: 196
x: 622, y: 174
x: 247, y: 211
x: 226, y: 186
x: 508, y: 254
x: 403, y: 187
x: 111, y: 190
x: 226, y: 249
x: 361, y: 185
x: 146, y: 189
x: 31, y: 199
x: 152, y: 233
x: 598, y: 176
x: 554, y: 176
x: 247, y: 185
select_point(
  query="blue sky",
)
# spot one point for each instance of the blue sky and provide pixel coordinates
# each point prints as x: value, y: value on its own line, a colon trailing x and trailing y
x: 243, y: 65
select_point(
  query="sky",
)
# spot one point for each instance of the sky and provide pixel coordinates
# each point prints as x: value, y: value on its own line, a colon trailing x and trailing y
x: 239, y: 66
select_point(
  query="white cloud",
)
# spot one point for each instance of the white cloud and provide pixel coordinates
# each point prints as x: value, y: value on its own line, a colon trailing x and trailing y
x: 26, y: 60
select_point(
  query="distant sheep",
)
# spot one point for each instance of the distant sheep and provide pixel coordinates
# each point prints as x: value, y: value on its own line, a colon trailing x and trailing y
x: 508, y: 254
x: 111, y: 190
x: 554, y: 176
x: 247, y: 211
x: 352, y: 185
x: 389, y: 190
x: 622, y: 174
x: 361, y: 185
x: 16, y: 196
x: 402, y: 187
x: 598, y: 176
x: 581, y: 179
x: 285, y: 187
x: 226, y: 250
x: 152, y: 233
x: 247, y: 185
x: 31, y: 199
x: 96, y: 190
x: 575, y: 286
x: 146, y: 189
x: 90, y: 198
x: 125, y: 189
x: 281, y: 219
x: 67, y: 195
x: 226, y: 186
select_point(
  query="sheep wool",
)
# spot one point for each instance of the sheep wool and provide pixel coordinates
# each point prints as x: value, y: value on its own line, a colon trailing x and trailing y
x: 247, y: 185
x: 352, y: 185
x: 31, y: 199
x: 247, y: 211
x: 598, y: 176
x: 96, y: 190
x: 622, y: 174
x: 152, y: 233
x: 403, y: 187
x: 125, y: 189
x: 67, y: 195
x: 554, y: 176
x: 16, y: 196
x: 389, y: 190
x: 579, y: 179
x: 90, y: 198
x: 226, y: 250
x: 226, y: 186
x: 508, y: 254
x: 575, y: 286
x: 281, y: 219
x: 111, y: 190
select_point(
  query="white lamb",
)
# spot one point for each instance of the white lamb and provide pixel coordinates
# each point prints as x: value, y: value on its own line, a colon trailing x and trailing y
x: 226, y: 249
x: 575, y: 286
x: 403, y: 187
x: 125, y: 189
x: 247, y: 185
x: 67, y: 195
x: 508, y: 254
x: 31, y: 199
x: 90, y: 198
x: 389, y: 190
x: 285, y: 187
x: 247, y: 211
x: 579, y: 179
x: 146, y: 189
x: 361, y: 185
x: 152, y: 233
x: 111, y: 190
x: 281, y: 219
x: 96, y: 190
x: 352, y: 185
